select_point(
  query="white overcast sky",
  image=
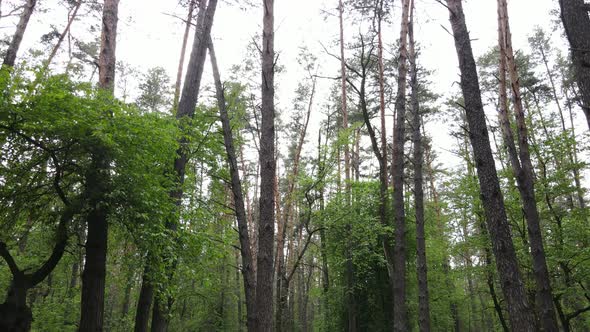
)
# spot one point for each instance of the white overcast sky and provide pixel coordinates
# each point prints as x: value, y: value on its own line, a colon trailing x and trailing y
x: 149, y: 37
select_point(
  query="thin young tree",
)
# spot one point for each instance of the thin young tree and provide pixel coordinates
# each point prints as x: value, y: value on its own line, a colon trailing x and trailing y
x: 521, y: 316
x: 71, y: 17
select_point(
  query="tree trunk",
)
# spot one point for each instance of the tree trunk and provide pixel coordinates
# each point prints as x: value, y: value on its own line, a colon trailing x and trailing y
x: 400, y: 314
x: 71, y: 19
x: 423, y: 297
x: 144, y: 303
x: 574, y: 15
x: 349, y: 271
x: 15, y: 315
x: 187, y: 29
x: 521, y: 317
x: 264, y: 280
x: 97, y: 182
x: 186, y: 108
x: 236, y: 186
x: 285, y: 226
x: 17, y: 38
x: 525, y: 178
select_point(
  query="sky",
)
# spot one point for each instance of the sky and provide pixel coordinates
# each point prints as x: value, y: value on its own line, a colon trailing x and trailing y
x: 150, y: 35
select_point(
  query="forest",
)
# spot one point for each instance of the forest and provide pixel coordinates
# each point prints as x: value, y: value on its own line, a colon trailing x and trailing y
x: 271, y: 185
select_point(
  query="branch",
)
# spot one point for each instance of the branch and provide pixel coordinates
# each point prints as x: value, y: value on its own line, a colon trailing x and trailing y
x: 53, y: 156
x: 302, y: 253
x: 9, y: 259
x: 577, y: 313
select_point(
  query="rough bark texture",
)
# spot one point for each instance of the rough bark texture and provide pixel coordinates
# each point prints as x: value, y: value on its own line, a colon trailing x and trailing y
x: 144, y: 303
x: 17, y: 38
x: 400, y: 312
x: 236, y: 187
x: 521, y: 316
x: 422, y: 273
x: 97, y: 182
x: 186, y: 108
x: 574, y: 15
x: 147, y: 290
x: 525, y: 178
x: 264, y: 279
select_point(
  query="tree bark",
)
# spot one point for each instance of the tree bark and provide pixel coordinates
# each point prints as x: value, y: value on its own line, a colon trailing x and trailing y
x: 186, y: 108
x: 574, y: 15
x: 264, y: 280
x: 236, y: 187
x: 400, y: 314
x: 97, y: 182
x: 187, y: 29
x: 422, y: 273
x: 17, y: 38
x: 15, y: 315
x: 521, y: 317
x: 144, y: 303
x: 524, y: 176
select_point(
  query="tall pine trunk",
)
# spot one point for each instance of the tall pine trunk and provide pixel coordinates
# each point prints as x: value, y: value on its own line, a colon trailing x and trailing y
x: 17, y: 38
x: 236, y: 187
x: 422, y: 273
x: 400, y: 312
x: 186, y: 109
x: 264, y: 279
x: 521, y: 316
x: 523, y: 172
x: 98, y: 182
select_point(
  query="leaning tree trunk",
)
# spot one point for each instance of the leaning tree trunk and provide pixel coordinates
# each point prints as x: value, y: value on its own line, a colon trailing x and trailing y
x: 93, y: 277
x: 264, y: 279
x: 186, y: 108
x: 400, y: 313
x: 236, y: 187
x: 187, y: 29
x: 524, y: 176
x: 144, y: 304
x: 17, y: 38
x: 71, y: 19
x: 521, y: 315
x: 574, y: 15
